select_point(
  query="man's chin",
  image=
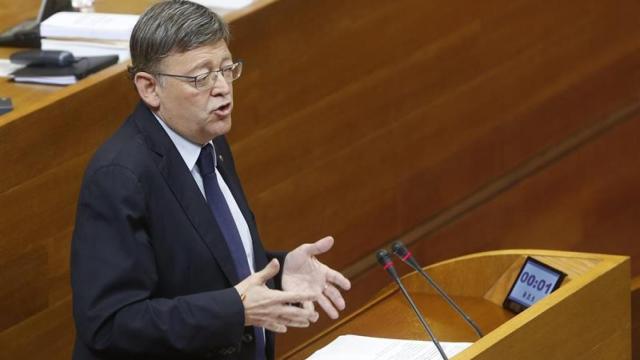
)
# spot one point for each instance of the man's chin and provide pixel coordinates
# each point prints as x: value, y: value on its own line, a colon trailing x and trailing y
x: 220, y: 126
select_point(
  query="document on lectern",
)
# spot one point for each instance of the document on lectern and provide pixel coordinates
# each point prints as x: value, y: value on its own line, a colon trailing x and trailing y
x: 355, y: 347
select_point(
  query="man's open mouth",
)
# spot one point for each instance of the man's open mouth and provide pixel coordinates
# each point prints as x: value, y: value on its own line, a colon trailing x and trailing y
x: 223, y: 109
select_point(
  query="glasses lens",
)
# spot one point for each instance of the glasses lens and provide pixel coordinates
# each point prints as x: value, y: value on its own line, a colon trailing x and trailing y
x: 232, y: 72
x: 229, y: 73
x: 205, y: 80
x: 236, y: 70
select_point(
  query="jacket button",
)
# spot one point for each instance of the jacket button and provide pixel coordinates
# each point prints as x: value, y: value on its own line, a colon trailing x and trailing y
x: 247, y: 338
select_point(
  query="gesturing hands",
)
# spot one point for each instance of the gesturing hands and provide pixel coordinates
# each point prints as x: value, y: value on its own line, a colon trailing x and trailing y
x: 303, y: 273
x: 272, y: 309
x: 304, y: 280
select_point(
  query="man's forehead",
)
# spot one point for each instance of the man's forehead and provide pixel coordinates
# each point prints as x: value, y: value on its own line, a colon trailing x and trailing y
x: 213, y: 54
x: 218, y: 50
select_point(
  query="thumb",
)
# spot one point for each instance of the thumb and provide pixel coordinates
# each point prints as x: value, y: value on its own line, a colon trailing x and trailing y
x: 269, y: 271
x: 321, y: 246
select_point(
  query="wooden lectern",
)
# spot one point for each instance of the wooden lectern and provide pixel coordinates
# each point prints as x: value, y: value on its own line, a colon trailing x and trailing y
x: 588, y: 317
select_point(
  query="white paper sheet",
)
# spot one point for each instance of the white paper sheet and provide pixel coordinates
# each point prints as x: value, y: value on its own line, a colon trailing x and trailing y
x: 6, y: 67
x: 355, y: 347
x: 101, y: 26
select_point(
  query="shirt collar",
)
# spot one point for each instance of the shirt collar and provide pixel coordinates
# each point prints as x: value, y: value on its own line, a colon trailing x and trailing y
x: 188, y: 150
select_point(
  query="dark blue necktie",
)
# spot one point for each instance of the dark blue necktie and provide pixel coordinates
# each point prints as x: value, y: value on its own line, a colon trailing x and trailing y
x: 222, y: 214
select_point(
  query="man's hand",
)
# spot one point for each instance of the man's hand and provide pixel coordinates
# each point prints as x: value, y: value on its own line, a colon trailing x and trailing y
x: 272, y: 309
x: 304, y: 273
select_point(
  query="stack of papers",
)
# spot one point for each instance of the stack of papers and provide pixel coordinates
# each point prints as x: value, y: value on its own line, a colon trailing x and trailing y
x: 88, y: 34
x: 100, y: 26
x: 354, y: 347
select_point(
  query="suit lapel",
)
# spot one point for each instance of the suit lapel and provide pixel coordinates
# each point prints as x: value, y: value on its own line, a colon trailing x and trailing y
x: 184, y: 188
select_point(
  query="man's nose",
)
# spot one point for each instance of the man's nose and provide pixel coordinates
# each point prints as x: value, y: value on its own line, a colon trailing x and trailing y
x: 221, y: 86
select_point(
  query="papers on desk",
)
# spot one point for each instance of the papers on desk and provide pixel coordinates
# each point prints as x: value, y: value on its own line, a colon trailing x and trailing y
x: 100, y: 26
x: 354, y: 347
x: 89, y: 34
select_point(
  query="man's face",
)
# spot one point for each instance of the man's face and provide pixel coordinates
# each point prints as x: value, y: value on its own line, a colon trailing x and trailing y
x: 197, y: 114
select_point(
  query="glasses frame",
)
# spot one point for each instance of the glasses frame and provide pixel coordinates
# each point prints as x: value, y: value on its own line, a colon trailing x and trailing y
x: 220, y: 72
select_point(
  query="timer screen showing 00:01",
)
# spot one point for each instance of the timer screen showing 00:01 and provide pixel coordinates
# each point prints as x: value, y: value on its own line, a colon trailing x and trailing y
x: 535, y: 282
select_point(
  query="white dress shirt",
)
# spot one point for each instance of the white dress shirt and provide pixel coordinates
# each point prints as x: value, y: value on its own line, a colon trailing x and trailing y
x: 190, y: 153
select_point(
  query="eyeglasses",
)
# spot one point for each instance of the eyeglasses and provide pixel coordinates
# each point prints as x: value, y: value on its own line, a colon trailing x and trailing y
x: 207, y: 80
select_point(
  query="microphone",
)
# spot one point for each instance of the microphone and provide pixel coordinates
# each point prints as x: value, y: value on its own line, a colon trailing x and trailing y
x: 405, y: 255
x: 385, y: 260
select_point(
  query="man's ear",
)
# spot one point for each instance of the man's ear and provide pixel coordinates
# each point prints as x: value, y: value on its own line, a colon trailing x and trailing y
x: 147, y: 84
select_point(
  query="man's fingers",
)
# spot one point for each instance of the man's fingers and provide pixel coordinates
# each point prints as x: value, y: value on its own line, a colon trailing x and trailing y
x: 281, y: 324
x: 268, y: 271
x: 275, y: 327
x: 321, y: 246
x: 338, y: 279
x: 272, y: 309
x: 278, y: 305
x: 308, y: 305
x: 292, y: 297
x: 326, y: 305
x: 292, y: 313
x: 297, y: 324
x: 334, y: 295
x: 279, y: 317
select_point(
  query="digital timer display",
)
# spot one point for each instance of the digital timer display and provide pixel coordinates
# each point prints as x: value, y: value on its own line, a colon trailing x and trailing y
x: 535, y: 281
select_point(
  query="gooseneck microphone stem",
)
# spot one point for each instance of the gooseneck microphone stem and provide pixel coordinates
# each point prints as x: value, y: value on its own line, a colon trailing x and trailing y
x: 451, y: 302
x: 405, y: 255
x: 426, y: 326
x: 385, y: 260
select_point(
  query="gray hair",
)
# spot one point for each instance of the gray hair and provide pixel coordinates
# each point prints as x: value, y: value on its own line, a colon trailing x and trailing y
x: 172, y: 26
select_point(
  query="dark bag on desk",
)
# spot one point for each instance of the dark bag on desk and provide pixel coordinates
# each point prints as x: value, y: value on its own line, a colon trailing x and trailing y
x: 66, y: 75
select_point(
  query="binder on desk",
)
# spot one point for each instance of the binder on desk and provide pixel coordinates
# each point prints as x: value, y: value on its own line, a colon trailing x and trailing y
x: 64, y: 75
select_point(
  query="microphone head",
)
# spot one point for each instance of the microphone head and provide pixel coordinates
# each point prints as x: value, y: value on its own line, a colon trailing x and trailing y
x: 399, y: 249
x: 383, y: 258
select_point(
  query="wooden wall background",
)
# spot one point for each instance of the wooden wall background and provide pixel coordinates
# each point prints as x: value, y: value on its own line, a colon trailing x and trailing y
x: 457, y: 126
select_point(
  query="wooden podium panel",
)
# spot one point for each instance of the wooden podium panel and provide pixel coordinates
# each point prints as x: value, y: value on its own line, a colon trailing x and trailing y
x: 588, y: 317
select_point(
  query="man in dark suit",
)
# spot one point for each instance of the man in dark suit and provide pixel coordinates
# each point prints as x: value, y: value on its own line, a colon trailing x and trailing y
x: 166, y: 258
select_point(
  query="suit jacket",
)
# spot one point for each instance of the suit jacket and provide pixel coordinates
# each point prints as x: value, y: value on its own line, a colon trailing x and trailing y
x: 151, y: 274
